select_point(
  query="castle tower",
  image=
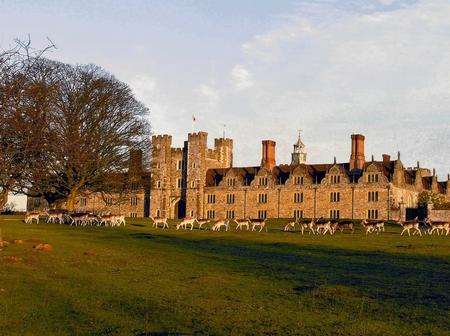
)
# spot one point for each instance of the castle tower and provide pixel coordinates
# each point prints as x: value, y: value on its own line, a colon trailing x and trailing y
x: 224, y: 151
x: 161, y: 178
x: 299, y: 153
x: 197, y: 147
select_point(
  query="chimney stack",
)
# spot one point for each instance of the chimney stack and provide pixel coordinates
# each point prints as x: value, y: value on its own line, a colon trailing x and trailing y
x: 268, y: 154
x: 386, y: 159
x: 135, y: 163
x: 357, y: 158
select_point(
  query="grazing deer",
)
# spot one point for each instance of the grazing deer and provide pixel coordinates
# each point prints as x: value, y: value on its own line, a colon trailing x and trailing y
x: 369, y: 227
x: 259, y: 222
x: 408, y: 225
x: 31, y: 216
x: 341, y: 226
x: 54, y: 216
x: 323, y: 226
x: 185, y: 222
x: 219, y: 224
x: 289, y: 226
x: 202, y: 222
x: 241, y: 223
x: 439, y: 227
x: 157, y: 221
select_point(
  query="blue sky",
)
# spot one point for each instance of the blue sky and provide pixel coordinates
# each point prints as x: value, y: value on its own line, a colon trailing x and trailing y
x: 266, y: 68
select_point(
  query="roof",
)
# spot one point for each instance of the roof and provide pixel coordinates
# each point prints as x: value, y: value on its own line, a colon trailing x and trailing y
x: 317, y: 172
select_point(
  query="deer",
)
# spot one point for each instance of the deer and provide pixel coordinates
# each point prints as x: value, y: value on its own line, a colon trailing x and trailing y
x: 438, y: 227
x: 259, y: 222
x: 201, y: 222
x: 185, y: 222
x: 323, y: 226
x: 408, y: 225
x: 241, y: 223
x: 290, y: 225
x: 157, y: 221
x: 219, y: 224
x: 31, y: 216
x: 369, y: 227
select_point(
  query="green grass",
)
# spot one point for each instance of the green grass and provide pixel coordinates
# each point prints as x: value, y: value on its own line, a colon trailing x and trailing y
x: 138, y: 281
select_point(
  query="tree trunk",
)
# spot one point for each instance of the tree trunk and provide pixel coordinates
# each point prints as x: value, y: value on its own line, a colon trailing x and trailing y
x: 3, y: 197
x: 71, y: 200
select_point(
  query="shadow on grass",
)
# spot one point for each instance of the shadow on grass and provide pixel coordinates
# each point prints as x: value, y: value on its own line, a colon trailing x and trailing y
x: 401, y: 278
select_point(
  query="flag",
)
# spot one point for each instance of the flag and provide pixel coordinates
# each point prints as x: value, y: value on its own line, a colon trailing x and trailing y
x: 193, y: 118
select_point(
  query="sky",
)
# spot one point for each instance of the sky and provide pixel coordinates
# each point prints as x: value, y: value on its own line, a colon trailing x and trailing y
x: 265, y: 69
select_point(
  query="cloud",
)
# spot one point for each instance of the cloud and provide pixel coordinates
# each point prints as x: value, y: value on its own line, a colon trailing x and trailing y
x: 385, y: 73
x: 241, y: 77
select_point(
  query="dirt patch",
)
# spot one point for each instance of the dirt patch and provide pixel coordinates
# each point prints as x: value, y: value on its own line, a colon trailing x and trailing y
x: 17, y: 241
x: 3, y: 243
x: 43, y: 247
x: 90, y: 253
x: 12, y: 259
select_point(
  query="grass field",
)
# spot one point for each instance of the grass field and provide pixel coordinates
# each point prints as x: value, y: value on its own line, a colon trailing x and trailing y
x: 139, y: 281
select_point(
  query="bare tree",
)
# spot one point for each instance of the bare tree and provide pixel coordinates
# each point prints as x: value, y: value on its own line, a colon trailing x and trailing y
x: 68, y: 130
x: 21, y: 93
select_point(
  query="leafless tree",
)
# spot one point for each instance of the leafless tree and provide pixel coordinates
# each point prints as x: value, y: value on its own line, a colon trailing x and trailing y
x: 69, y: 130
x: 21, y: 93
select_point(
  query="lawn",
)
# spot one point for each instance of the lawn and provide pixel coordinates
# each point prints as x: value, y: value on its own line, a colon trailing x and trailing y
x: 143, y: 281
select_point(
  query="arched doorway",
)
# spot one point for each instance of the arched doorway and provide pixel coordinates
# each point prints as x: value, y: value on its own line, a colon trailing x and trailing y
x: 178, y: 208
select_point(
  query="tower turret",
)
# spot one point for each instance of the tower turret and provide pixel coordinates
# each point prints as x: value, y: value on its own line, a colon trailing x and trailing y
x: 299, y: 153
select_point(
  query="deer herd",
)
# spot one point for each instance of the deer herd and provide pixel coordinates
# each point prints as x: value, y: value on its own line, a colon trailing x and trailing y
x: 76, y: 219
x: 320, y: 226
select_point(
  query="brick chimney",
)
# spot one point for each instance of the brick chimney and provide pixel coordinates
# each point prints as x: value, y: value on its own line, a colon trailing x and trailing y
x: 386, y: 159
x: 268, y: 154
x: 135, y: 163
x: 357, y: 158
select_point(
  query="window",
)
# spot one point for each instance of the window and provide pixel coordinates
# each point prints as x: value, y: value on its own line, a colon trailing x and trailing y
x: 134, y: 200
x: 263, y: 181
x: 335, y: 197
x: 372, y: 214
x: 262, y: 198
x: 179, y: 183
x: 211, y: 198
x: 158, y: 213
x: 372, y: 178
x: 262, y: 214
x: 230, y: 199
x: 298, y: 180
x: 231, y: 182
x: 193, y: 184
x: 192, y: 213
x: 335, y: 179
x: 133, y: 215
x: 37, y: 202
x: 373, y: 196
x: 109, y: 201
x: 334, y: 214
x: 194, y: 165
x: 158, y: 184
x: 83, y: 201
x: 230, y: 214
x: 179, y: 164
x: 298, y: 214
x: 298, y: 198
x: 210, y: 214
x: 134, y: 186
x: 158, y: 165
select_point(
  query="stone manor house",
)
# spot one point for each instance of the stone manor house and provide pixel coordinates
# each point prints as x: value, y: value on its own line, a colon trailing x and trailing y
x: 197, y: 181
